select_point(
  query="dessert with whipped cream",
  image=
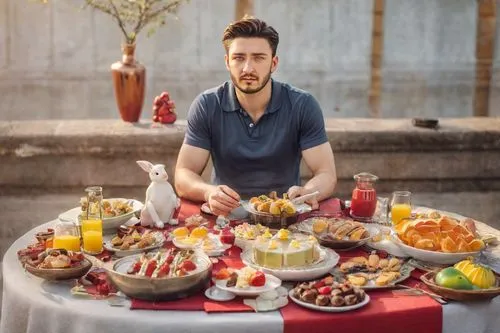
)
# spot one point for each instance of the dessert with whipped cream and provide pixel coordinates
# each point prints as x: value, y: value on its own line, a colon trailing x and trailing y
x: 249, y: 231
x: 285, y: 250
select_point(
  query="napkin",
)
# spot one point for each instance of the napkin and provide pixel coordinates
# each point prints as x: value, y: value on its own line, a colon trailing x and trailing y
x: 268, y: 301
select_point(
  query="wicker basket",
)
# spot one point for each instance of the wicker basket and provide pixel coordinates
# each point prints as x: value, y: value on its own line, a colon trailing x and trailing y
x: 460, y: 295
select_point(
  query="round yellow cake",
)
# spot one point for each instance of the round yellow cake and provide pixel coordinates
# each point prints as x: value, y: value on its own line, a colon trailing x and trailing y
x: 285, y: 250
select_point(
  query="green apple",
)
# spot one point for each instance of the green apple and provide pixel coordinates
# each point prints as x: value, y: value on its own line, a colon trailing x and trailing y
x: 452, y: 278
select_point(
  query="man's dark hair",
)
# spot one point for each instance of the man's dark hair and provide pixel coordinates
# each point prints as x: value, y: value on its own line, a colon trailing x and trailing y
x: 249, y: 27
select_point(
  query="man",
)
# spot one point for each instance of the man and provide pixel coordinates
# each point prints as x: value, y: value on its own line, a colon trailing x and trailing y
x: 255, y: 129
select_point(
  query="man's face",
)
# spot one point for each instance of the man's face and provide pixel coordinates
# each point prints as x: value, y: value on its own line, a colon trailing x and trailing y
x: 250, y: 63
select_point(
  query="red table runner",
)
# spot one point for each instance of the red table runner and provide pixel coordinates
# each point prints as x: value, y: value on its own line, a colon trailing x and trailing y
x: 386, y: 313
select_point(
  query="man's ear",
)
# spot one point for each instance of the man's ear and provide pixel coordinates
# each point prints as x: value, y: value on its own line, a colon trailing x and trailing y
x: 226, y: 60
x: 274, y: 64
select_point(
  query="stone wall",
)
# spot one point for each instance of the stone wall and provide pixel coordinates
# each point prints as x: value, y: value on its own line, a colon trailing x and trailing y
x: 55, y: 59
x: 65, y: 156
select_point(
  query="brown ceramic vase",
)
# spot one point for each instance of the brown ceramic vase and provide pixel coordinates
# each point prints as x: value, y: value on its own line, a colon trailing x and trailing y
x: 129, y: 81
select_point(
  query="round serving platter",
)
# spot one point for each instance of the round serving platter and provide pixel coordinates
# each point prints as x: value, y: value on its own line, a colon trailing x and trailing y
x: 304, y: 273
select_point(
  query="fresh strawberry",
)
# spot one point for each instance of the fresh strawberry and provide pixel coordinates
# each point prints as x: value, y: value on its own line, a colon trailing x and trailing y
x: 164, y: 269
x: 151, y: 268
x: 324, y: 290
x: 135, y: 268
x: 258, y: 279
x: 170, y: 259
x: 103, y: 288
x: 222, y: 274
x: 319, y: 284
x: 187, y: 265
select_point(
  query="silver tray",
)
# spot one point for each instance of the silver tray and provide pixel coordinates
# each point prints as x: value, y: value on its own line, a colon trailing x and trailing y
x: 154, y: 289
x: 337, y: 244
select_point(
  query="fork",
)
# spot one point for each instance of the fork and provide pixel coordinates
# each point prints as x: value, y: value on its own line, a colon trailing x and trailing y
x: 418, y: 291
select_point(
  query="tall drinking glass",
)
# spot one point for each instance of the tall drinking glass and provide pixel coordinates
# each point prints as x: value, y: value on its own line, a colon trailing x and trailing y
x: 400, y: 206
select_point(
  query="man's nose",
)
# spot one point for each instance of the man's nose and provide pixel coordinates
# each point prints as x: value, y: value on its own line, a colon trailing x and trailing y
x: 248, y: 68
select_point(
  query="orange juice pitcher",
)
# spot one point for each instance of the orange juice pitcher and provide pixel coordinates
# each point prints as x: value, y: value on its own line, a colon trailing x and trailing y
x: 91, y: 222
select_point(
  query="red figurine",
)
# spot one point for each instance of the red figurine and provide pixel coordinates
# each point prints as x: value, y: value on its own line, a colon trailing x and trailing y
x: 164, y: 109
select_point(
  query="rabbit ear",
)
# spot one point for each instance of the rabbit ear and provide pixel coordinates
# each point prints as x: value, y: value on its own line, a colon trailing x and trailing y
x: 145, y: 165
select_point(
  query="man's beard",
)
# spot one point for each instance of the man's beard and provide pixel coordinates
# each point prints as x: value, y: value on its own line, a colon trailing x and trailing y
x: 251, y: 90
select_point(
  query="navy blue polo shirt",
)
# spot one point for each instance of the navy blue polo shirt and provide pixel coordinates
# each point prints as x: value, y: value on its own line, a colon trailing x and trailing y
x: 254, y: 159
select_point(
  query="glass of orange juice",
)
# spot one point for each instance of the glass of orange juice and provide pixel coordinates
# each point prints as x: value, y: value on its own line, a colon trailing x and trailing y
x: 400, y: 206
x: 66, y: 237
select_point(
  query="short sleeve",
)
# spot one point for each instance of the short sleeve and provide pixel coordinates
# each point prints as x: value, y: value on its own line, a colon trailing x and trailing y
x: 198, y: 125
x: 312, y: 124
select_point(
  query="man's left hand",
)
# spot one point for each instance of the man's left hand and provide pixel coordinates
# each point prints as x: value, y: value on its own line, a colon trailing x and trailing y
x: 298, y: 191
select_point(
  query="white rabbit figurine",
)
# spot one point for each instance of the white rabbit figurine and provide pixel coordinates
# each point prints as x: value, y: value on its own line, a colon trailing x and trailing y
x: 161, y: 200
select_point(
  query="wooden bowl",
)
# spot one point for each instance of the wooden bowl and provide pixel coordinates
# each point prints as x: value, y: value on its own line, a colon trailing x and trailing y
x: 460, y: 295
x: 56, y: 274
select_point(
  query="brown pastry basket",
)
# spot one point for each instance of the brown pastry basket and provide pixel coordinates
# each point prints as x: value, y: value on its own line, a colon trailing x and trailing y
x: 272, y: 221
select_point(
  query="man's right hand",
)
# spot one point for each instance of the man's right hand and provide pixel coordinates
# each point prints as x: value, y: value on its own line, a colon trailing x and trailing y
x: 222, y: 200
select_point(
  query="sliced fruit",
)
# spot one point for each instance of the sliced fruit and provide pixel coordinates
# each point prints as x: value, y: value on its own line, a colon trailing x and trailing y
x: 448, y: 245
x: 199, y: 232
x: 258, y: 279
x: 475, y: 245
x: 181, y: 232
x: 223, y: 274
x: 187, y: 265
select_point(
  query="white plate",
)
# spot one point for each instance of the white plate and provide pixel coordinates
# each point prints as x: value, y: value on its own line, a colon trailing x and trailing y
x: 211, y: 253
x: 160, y: 239
x: 434, y: 256
x: 331, y: 258
x: 272, y: 283
x: 218, y: 294
x: 330, y: 308
x: 386, y: 244
x: 108, y: 223
x: 238, y: 213
x: 243, y: 243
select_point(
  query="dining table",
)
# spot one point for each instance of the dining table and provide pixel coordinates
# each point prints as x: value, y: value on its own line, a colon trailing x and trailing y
x: 33, y: 305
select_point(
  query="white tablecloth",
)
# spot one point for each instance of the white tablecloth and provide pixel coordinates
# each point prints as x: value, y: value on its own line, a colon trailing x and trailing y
x: 33, y: 305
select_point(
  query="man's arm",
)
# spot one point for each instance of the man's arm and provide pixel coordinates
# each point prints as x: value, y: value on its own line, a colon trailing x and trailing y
x: 188, y: 181
x: 316, y: 152
x: 193, y: 158
x: 322, y: 164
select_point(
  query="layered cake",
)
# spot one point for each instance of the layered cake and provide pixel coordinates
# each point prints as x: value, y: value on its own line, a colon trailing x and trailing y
x: 285, y: 249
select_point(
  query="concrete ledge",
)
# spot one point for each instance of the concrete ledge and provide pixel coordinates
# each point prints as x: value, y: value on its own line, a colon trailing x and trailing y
x: 462, y: 155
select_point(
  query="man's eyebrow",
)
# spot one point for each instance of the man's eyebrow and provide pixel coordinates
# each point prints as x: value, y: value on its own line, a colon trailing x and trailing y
x: 254, y: 54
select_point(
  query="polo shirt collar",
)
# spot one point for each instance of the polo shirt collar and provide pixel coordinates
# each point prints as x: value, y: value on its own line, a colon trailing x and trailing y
x: 230, y: 101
